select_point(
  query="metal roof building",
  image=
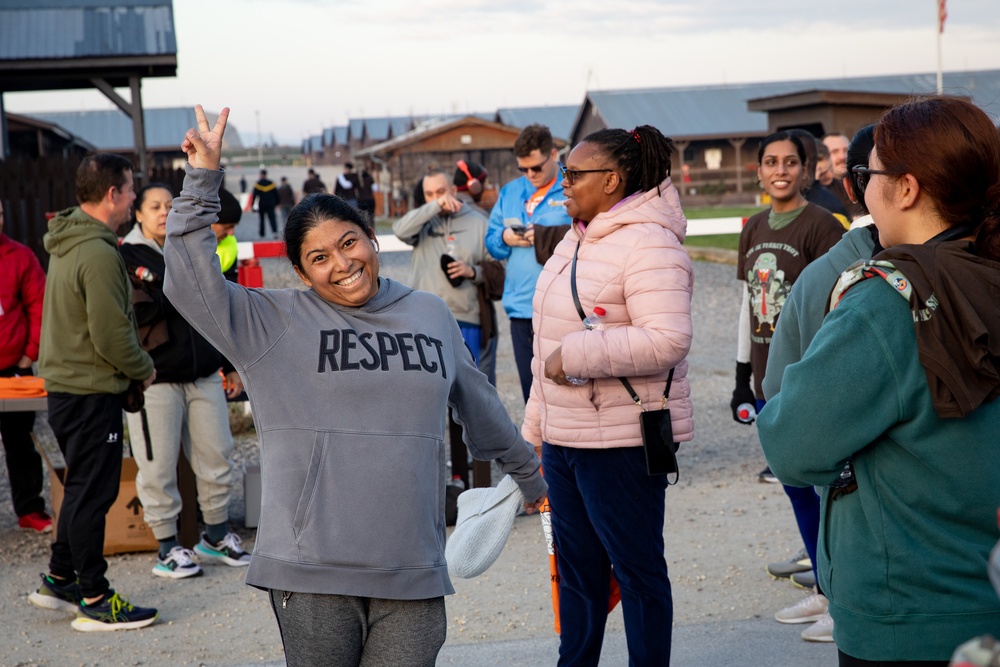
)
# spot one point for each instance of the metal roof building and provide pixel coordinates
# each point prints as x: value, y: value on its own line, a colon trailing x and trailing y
x: 104, y: 44
x: 34, y: 30
x: 701, y: 112
x: 559, y: 119
x: 111, y: 130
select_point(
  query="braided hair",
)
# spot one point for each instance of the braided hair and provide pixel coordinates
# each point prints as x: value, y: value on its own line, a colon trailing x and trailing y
x: 643, y: 154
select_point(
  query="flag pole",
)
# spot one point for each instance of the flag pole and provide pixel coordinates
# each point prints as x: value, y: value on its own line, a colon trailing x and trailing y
x: 940, y: 82
x: 941, y: 16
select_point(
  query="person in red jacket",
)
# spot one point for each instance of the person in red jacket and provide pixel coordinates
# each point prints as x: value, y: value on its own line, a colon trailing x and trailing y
x: 22, y: 286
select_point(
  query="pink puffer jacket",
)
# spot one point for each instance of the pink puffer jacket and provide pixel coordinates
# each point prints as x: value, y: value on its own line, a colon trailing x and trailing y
x: 631, y: 263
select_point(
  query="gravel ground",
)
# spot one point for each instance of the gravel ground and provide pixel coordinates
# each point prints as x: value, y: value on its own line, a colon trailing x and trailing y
x: 722, y: 527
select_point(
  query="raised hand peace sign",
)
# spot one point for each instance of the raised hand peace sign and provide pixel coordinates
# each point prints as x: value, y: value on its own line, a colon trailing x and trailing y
x: 203, y: 145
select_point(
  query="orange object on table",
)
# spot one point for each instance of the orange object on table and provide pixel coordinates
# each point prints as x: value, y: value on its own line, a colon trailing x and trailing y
x: 25, y: 386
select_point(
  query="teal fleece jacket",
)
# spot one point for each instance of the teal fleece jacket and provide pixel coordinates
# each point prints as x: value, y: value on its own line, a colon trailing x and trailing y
x: 349, y: 405
x: 903, y: 559
x: 803, y: 312
x: 89, y: 342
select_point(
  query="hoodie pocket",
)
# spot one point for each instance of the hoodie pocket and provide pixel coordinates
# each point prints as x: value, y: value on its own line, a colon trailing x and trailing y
x: 372, y: 501
x: 309, y: 485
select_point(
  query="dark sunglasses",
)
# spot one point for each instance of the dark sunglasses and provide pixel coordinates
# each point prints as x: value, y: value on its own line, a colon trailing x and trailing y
x: 537, y: 169
x: 861, y: 175
x: 572, y: 174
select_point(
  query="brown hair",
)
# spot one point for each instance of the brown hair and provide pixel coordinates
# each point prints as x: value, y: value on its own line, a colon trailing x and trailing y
x: 534, y: 137
x: 953, y: 150
x: 98, y: 173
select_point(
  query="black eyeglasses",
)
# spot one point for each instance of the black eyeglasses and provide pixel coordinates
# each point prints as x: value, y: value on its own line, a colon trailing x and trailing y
x: 862, y: 174
x: 572, y: 174
x: 537, y: 169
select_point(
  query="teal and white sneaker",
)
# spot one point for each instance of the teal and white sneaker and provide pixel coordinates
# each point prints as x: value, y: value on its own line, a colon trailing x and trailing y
x: 55, y: 596
x: 112, y: 613
x: 228, y: 551
x: 179, y: 564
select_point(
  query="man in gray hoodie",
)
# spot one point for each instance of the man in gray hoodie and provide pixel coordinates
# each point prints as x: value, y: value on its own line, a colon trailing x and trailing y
x: 448, y: 239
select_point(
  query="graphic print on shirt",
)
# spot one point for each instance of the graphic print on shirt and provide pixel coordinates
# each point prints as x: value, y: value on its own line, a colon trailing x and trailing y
x: 768, y: 292
x: 347, y: 350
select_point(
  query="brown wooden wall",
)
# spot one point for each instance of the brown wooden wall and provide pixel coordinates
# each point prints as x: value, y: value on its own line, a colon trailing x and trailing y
x: 31, y: 188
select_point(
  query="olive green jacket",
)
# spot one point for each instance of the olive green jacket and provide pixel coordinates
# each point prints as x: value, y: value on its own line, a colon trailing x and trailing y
x: 89, y: 342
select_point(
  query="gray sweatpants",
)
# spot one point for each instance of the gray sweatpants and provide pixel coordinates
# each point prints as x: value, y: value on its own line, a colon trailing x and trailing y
x: 192, y: 415
x: 342, y: 630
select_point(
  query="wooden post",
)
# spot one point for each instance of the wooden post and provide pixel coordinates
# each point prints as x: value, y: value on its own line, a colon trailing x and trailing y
x: 134, y: 111
x: 738, y: 144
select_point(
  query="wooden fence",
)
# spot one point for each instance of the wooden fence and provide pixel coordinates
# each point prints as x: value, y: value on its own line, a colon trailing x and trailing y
x: 32, y: 188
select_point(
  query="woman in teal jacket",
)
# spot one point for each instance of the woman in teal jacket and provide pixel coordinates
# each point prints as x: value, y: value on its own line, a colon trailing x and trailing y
x: 904, y: 373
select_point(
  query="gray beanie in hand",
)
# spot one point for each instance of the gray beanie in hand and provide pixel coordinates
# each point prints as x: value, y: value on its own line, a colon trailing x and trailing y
x: 485, y: 517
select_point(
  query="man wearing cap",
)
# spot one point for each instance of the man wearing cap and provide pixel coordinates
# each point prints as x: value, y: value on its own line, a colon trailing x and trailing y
x: 447, y: 235
x: 526, y: 206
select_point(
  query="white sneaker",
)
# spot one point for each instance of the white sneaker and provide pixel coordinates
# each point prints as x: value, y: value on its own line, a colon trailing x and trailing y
x: 228, y: 551
x: 807, y: 610
x: 179, y: 564
x: 820, y: 631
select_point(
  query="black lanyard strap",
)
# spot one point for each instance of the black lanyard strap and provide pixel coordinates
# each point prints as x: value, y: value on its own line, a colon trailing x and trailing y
x: 583, y: 316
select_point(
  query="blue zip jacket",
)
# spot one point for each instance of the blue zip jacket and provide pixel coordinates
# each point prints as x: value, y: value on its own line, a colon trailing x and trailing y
x: 522, y: 267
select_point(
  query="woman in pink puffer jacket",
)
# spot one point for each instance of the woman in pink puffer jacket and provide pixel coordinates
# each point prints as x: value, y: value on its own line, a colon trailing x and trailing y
x: 607, y: 511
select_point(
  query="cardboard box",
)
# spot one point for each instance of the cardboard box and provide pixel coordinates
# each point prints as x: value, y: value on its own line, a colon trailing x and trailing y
x: 126, y: 530
x: 251, y: 496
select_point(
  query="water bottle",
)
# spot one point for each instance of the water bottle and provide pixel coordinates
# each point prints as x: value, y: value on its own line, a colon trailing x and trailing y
x: 593, y: 322
x: 142, y: 273
x: 747, y: 412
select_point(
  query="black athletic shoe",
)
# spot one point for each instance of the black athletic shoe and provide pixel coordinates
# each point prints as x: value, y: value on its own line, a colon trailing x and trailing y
x: 767, y: 477
x: 56, y: 596
x: 112, y: 613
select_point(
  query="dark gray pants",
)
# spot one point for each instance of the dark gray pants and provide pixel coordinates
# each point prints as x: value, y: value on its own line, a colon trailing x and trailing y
x: 341, y: 630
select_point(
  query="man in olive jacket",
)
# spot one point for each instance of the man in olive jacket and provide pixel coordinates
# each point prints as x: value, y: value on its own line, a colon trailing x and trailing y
x: 90, y: 352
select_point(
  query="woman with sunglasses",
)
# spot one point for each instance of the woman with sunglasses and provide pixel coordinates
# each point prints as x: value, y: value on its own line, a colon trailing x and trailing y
x: 624, y: 250
x: 904, y: 372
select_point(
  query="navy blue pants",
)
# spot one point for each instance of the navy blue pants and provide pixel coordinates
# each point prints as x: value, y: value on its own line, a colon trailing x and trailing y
x: 522, y: 337
x: 806, y: 507
x: 607, y: 512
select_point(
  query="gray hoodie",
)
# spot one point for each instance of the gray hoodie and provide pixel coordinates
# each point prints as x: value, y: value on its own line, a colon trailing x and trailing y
x: 349, y: 406
x: 429, y: 231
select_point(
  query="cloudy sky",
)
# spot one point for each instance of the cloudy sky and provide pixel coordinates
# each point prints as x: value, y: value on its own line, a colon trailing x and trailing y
x: 303, y: 65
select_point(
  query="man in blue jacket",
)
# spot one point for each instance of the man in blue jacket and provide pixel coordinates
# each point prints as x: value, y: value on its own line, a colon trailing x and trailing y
x: 524, y: 206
